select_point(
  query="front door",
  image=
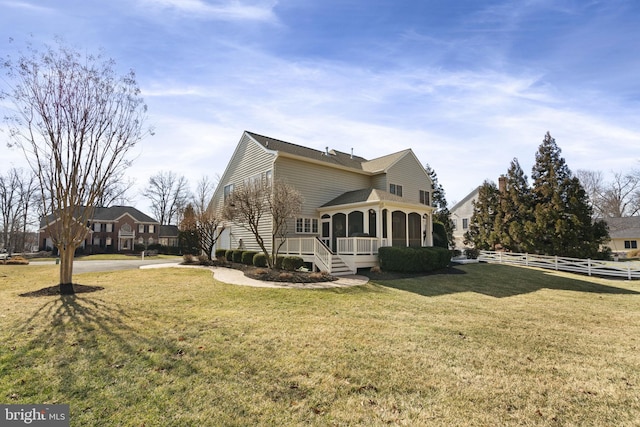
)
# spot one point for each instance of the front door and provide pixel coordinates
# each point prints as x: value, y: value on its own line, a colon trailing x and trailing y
x: 325, y: 236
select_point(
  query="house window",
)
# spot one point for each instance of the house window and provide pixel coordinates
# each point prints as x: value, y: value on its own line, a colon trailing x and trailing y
x: 150, y: 241
x: 96, y: 226
x: 228, y: 189
x: 455, y: 224
x: 141, y: 241
x: 152, y: 228
x: 424, y: 197
x: 631, y: 244
x: 465, y: 223
x: 269, y: 176
x: 140, y: 228
x: 395, y: 189
x: 109, y: 228
x: 307, y: 225
x: 108, y: 242
x: 96, y: 241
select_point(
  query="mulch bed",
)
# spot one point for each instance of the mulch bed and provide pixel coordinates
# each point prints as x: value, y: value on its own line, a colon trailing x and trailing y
x: 55, y: 290
x: 270, y: 275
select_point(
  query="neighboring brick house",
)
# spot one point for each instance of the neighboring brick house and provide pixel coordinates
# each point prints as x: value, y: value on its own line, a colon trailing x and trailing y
x: 169, y: 235
x: 112, y: 229
x: 351, y: 205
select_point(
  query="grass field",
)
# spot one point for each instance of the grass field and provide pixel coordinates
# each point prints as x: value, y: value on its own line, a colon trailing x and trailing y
x: 487, y: 345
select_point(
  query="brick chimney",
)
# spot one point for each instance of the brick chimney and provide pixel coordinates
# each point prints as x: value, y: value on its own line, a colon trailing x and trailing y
x: 502, y: 184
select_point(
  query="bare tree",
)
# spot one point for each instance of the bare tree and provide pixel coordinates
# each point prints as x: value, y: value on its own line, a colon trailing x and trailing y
x: 616, y: 198
x: 116, y: 192
x: 255, y: 201
x: 17, y: 202
x: 209, y: 223
x: 169, y: 195
x: 76, y: 120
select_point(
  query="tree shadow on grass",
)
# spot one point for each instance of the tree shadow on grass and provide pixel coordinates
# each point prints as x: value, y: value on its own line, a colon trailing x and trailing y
x: 498, y: 281
x: 93, y: 351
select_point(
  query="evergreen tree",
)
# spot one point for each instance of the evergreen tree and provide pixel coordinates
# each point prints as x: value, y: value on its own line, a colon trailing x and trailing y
x: 561, y: 222
x: 515, y: 210
x: 188, y: 232
x: 439, y: 202
x: 482, y: 231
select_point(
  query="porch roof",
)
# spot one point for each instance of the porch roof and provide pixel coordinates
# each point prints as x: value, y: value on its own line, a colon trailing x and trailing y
x: 362, y: 196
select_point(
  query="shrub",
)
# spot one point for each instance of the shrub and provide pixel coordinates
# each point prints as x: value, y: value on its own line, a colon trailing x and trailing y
x: 187, y: 259
x: 634, y: 253
x: 17, y: 260
x: 291, y: 263
x: 137, y: 247
x: 247, y: 257
x: 285, y: 277
x: 229, y: 255
x: 456, y: 253
x: 278, y: 263
x: 440, y: 236
x: 236, y: 256
x: 260, y: 260
x: 220, y: 254
x: 203, y: 260
x: 472, y: 253
x: 413, y: 260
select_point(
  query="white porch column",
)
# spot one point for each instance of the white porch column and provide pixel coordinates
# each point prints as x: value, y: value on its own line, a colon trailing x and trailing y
x: 389, y: 228
x: 365, y: 221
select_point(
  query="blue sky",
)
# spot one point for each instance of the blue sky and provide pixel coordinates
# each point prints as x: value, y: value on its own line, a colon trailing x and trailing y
x: 468, y: 85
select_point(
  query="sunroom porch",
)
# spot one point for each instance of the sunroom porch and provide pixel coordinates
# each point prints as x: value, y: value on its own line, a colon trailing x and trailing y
x: 352, y: 227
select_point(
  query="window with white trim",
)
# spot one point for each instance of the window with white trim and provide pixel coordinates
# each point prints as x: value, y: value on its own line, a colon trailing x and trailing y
x: 631, y: 244
x: 395, y: 189
x: 152, y: 228
x: 307, y: 225
x: 109, y: 228
x: 465, y: 223
x: 140, y: 228
x: 96, y: 226
x: 424, y: 197
x: 228, y: 189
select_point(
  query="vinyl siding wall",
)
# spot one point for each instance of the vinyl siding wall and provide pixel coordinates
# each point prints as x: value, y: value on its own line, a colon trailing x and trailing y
x: 249, y: 159
x: 411, y: 175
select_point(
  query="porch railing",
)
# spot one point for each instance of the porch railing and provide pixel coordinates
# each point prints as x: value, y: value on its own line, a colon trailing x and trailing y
x: 359, y: 245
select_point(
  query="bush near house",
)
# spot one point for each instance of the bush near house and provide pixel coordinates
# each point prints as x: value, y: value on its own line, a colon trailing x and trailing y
x: 440, y: 235
x: 15, y: 260
x: 236, y: 255
x: 260, y: 260
x: 221, y: 254
x: 247, y: 257
x: 229, y: 255
x: 292, y: 263
x: 413, y: 260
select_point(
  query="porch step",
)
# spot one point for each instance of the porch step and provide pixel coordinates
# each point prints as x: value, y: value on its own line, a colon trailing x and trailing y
x: 339, y: 268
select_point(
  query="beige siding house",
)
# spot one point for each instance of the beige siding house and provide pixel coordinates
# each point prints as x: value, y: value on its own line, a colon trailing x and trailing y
x: 351, y: 207
x: 624, y: 234
x: 461, y: 214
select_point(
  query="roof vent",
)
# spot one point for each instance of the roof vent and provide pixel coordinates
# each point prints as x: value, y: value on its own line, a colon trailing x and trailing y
x: 352, y: 152
x: 326, y: 150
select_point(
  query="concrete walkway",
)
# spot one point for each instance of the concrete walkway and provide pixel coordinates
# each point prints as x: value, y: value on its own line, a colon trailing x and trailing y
x: 237, y: 277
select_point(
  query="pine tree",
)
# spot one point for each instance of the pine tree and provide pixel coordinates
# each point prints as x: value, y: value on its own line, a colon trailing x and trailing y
x: 482, y: 231
x: 188, y: 232
x: 515, y: 210
x: 439, y: 202
x: 561, y: 222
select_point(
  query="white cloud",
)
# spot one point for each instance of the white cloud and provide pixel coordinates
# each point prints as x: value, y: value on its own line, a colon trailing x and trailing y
x: 233, y: 10
x: 27, y: 6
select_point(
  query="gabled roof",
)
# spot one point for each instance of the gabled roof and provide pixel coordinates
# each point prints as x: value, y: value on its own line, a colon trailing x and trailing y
x: 362, y: 196
x: 168, y: 231
x: 622, y: 228
x: 333, y: 157
x: 108, y: 214
x: 471, y: 195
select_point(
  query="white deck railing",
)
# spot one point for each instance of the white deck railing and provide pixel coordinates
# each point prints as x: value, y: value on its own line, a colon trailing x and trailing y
x: 628, y: 270
x: 359, y: 245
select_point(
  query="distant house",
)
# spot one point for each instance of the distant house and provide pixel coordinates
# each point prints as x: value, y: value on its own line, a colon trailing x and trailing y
x: 112, y: 229
x: 351, y: 205
x: 168, y: 235
x: 624, y: 233
x: 461, y: 214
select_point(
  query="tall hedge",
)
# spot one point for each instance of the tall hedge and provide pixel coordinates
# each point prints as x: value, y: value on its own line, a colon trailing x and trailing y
x: 413, y: 260
x: 440, y: 235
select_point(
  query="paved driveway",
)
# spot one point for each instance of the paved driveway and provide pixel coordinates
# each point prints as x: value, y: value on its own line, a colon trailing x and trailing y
x: 113, y: 265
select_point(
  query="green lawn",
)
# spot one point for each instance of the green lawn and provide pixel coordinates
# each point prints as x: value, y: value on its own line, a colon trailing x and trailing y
x: 491, y: 345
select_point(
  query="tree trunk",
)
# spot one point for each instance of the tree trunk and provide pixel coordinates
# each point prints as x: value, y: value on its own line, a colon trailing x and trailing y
x: 66, y: 269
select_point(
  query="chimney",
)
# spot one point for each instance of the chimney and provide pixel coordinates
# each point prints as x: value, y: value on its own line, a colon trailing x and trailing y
x: 352, y: 152
x: 502, y: 184
x: 327, y: 150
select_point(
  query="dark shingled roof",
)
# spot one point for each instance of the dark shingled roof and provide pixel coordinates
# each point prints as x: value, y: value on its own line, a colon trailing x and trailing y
x: 363, y: 195
x: 627, y: 227
x: 334, y: 157
x: 168, y: 231
x: 110, y: 214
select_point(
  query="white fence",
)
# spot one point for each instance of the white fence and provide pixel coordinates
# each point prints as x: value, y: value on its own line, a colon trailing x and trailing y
x: 628, y: 270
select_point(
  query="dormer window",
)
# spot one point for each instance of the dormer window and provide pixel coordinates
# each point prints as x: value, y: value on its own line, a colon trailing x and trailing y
x: 395, y: 189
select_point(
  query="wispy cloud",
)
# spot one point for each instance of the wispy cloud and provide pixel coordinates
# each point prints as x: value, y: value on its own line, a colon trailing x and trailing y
x: 27, y: 6
x: 225, y: 10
